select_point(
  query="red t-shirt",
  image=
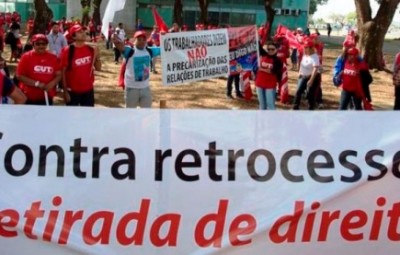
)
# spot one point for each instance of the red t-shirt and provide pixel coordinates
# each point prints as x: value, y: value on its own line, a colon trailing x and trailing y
x: 80, y: 79
x: 263, y: 79
x: 38, y: 67
x: 351, y: 77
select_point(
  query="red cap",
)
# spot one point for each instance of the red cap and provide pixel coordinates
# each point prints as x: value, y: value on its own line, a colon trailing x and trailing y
x: 348, y: 44
x: 39, y: 37
x: 353, y: 51
x: 76, y: 28
x: 314, y: 35
x: 140, y: 33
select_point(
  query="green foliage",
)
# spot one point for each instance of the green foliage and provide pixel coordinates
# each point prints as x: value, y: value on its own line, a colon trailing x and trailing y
x: 314, y: 4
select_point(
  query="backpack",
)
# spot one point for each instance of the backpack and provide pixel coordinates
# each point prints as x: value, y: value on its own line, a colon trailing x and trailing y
x: 121, y: 82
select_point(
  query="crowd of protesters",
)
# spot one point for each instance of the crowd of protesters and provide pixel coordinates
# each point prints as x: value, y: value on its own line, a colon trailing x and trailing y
x: 56, y: 58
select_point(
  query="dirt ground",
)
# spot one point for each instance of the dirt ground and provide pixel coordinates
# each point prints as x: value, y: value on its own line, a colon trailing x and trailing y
x: 210, y: 94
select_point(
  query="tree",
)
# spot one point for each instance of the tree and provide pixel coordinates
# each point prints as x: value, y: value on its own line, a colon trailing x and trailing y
x: 372, y: 30
x: 337, y: 18
x: 351, y: 18
x: 203, y: 4
x: 43, y: 16
x: 85, y: 11
x: 96, y: 11
x: 178, y: 11
x: 314, y: 4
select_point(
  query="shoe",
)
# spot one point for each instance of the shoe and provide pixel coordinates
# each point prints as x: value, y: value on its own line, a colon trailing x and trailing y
x: 239, y: 96
x: 296, y: 107
x: 229, y: 96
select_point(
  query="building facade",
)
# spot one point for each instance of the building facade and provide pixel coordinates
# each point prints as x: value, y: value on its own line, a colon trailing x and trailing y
x: 26, y: 7
x: 291, y: 13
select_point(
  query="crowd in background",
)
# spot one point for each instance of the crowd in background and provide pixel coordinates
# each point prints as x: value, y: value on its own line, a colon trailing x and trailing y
x: 53, y: 61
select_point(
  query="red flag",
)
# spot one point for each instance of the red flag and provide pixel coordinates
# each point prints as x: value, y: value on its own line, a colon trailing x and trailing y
x: 293, y: 42
x: 158, y: 20
x: 284, y: 86
x: 248, y: 94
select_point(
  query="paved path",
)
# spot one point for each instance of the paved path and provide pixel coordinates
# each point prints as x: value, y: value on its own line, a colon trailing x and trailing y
x: 390, y: 46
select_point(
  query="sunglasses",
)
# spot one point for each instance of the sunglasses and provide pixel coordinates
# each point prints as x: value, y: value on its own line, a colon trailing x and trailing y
x: 271, y: 49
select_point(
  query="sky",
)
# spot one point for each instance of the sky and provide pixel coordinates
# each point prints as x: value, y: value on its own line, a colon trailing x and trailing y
x: 343, y: 7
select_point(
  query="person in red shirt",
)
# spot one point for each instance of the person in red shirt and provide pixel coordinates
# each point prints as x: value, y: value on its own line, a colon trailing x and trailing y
x: 77, y: 63
x: 39, y: 72
x: 29, y: 26
x: 268, y: 75
x: 352, y: 86
x: 154, y: 39
x: 92, y: 30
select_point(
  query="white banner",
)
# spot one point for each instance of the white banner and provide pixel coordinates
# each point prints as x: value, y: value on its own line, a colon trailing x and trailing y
x: 194, y: 56
x: 126, y: 181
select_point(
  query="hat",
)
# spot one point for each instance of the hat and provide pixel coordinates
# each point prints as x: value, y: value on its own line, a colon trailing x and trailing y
x: 76, y: 28
x: 353, y: 51
x: 299, y: 29
x: 39, y: 37
x: 140, y: 34
x: 348, y: 44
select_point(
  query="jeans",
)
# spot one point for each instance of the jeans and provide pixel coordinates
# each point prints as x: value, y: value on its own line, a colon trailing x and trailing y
x: 138, y: 97
x: 266, y: 98
x: 311, y: 93
x: 396, y: 98
x: 345, y: 99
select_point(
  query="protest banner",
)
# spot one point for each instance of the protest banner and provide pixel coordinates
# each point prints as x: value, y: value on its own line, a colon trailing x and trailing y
x: 244, y: 55
x: 193, y: 56
x: 243, y: 49
x: 197, y: 182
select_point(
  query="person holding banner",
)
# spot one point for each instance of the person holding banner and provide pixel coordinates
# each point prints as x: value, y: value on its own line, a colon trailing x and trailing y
x: 137, y: 74
x: 39, y: 72
x: 309, y: 76
x: 268, y: 76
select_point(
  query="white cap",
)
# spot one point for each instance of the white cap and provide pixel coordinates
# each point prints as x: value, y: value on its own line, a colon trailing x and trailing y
x: 299, y: 29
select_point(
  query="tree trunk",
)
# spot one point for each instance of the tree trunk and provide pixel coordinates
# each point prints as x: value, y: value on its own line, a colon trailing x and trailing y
x: 85, y: 12
x: 270, y: 12
x: 178, y: 12
x: 372, y: 31
x: 96, y: 12
x: 204, y: 11
x: 42, y: 17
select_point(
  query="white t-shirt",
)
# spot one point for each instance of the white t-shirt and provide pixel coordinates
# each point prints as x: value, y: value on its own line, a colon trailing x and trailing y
x: 137, y: 73
x: 308, y: 63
